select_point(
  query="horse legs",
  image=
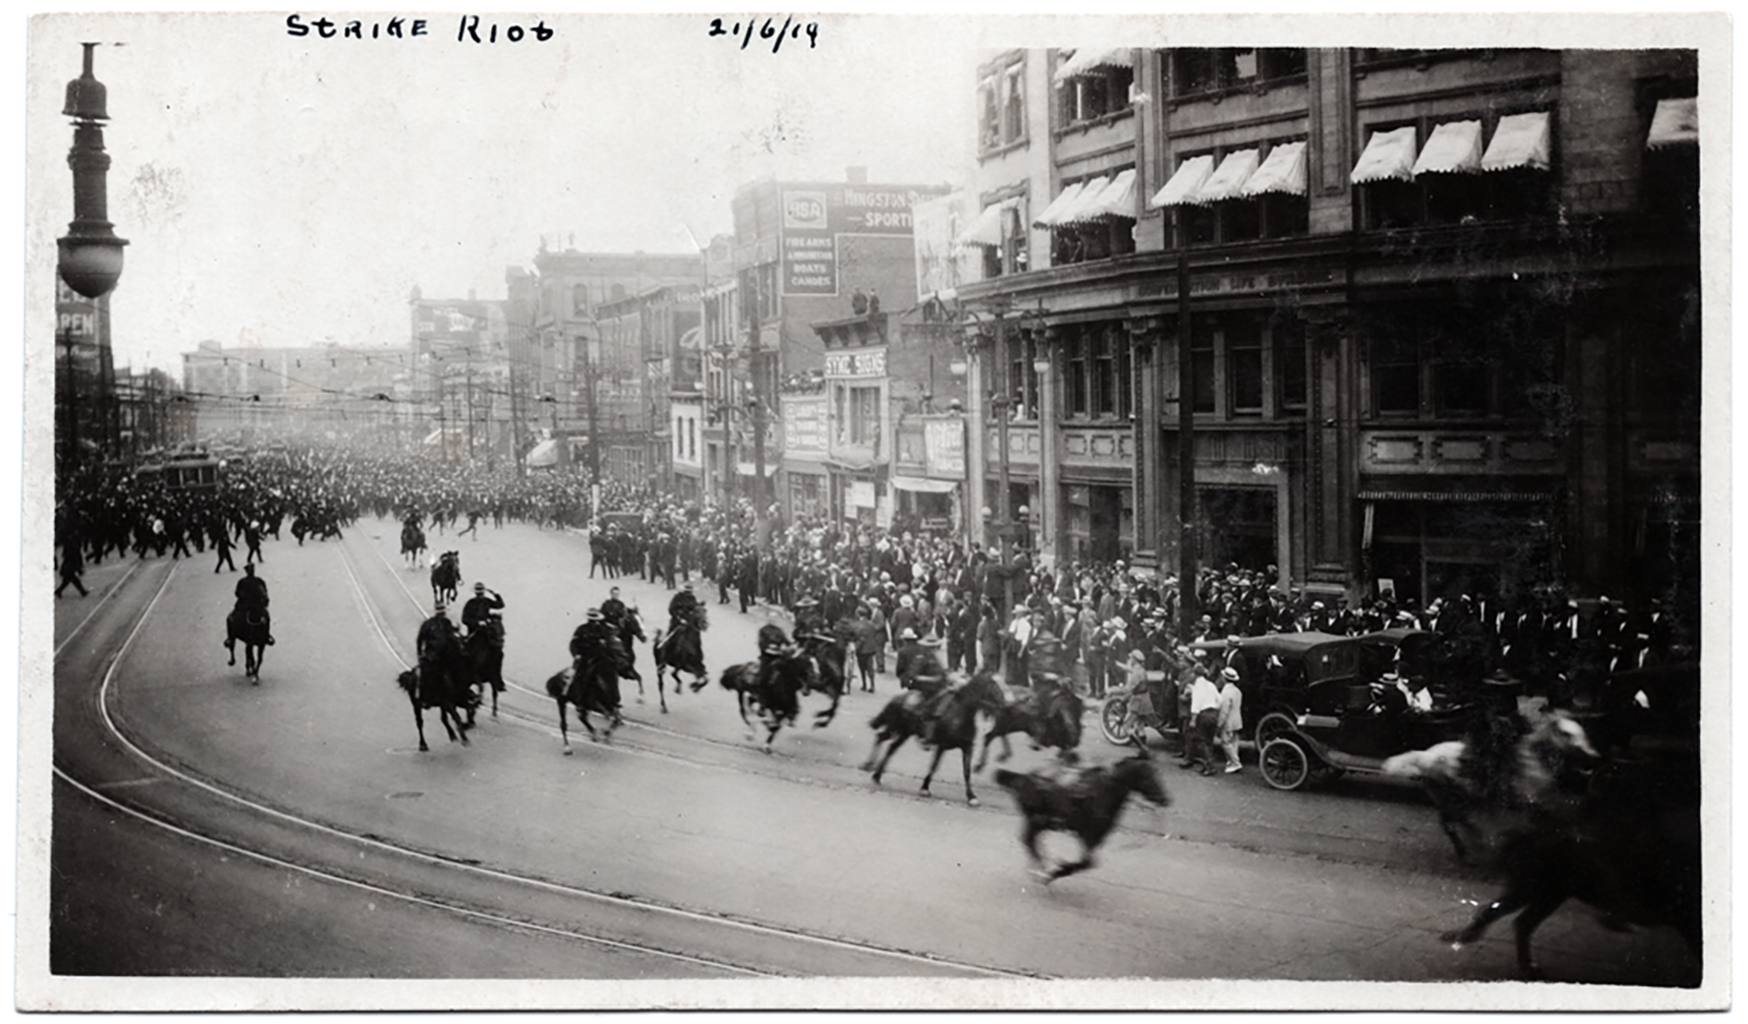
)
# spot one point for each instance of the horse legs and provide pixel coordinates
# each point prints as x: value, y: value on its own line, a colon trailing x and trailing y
x: 563, y: 730
x: 892, y: 748
x: 1029, y: 838
x: 1072, y: 867
x: 824, y: 718
x: 988, y: 737
x: 965, y: 761
x: 419, y: 720
x: 934, y: 762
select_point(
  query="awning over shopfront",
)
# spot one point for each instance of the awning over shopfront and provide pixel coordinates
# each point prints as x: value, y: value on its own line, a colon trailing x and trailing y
x: 1092, y: 59
x: 1283, y: 172
x: 1115, y: 199
x: 1454, y: 148
x: 1520, y: 141
x: 1228, y: 181
x: 1185, y: 183
x: 748, y: 469
x: 434, y: 436
x: 922, y: 485
x: 544, y: 454
x: 1674, y: 123
x: 1389, y: 156
x: 987, y: 228
x: 1063, y: 202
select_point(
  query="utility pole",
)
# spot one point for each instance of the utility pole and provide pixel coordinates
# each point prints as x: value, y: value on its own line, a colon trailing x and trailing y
x: 1186, y: 453
x: 469, y: 352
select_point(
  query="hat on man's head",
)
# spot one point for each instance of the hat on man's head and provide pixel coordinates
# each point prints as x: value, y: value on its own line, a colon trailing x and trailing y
x: 1229, y: 673
x: 907, y: 634
x: 479, y: 588
x: 595, y: 615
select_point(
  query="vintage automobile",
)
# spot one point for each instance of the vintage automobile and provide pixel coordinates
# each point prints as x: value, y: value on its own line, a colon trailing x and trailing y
x: 1285, y: 673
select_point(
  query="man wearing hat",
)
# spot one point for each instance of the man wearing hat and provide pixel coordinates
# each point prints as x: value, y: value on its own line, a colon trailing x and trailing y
x: 1229, y: 721
x: 1204, y: 721
x: 909, y: 649
x: 476, y: 614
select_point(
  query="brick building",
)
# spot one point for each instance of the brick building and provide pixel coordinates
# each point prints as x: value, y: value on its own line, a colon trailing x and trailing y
x: 1434, y: 313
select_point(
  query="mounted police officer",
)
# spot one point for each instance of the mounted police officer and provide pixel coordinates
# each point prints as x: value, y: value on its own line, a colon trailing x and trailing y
x: 477, y: 613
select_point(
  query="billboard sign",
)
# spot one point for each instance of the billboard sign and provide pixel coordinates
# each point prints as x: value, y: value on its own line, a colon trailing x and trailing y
x: 944, y: 447
x: 804, y: 429
x: 815, y: 215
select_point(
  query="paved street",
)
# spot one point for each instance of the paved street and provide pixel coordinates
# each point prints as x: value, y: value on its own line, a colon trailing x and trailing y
x: 679, y: 850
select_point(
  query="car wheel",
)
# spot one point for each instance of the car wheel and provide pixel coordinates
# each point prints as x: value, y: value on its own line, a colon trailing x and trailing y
x: 1113, y: 720
x: 1273, y: 725
x: 1284, y: 763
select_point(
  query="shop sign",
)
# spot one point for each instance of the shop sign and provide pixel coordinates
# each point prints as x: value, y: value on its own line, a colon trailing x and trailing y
x: 804, y: 425
x: 862, y: 363
x: 860, y: 494
x: 814, y: 215
x: 944, y: 447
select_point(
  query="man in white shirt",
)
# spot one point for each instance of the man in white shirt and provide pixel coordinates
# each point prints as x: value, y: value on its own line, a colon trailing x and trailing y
x: 1204, y: 721
x: 1230, y: 720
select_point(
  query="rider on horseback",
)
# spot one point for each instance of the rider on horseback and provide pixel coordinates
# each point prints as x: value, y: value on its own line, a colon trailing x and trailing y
x: 925, y: 682
x: 251, y: 600
x: 477, y: 613
x: 684, y: 608
x: 775, y: 648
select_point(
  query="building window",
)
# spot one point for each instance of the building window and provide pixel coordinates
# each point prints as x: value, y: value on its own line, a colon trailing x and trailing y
x: 1459, y: 197
x: 989, y: 116
x: 1670, y: 185
x: 1105, y: 392
x: 1241, y: 218
x: 1202, y: 72
x: 1202, y: 383
x: 1396, y: 374
x: 1013, y: 122
x: 865, y: 416
x: 1244, y: 366
x: 1001, y: 107
x: 1077, y: 373
x: 1288, y: 335
x: 1099, y: 92
x: 1108, y: 234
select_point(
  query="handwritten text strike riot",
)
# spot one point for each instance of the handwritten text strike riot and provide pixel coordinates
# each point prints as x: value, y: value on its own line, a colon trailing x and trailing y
x: 767, y: 31
x: 468, y: 29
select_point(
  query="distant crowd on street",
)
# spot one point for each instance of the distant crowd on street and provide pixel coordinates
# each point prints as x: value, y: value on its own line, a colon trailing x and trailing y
x: 878, y: 588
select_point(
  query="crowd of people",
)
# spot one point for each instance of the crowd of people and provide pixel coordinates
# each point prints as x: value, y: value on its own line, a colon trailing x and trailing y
x: 876, y: 588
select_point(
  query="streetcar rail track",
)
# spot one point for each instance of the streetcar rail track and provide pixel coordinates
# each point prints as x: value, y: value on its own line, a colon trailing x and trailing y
x: 625, y: 901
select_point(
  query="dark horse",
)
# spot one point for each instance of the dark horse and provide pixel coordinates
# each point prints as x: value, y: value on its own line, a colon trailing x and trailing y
x: 1631, y: 849
x: 777, y: 702
x: 412, y: 543
x: 828, y: 655
x: 252, y: 627
x: 1052, y: 720
x: 484, y: 651
x: 590, y: 683
x: 440, y: 680
x: 446, y: 578
x: 952, y: 727
x: 679, y: 649
x: 1087, y: 805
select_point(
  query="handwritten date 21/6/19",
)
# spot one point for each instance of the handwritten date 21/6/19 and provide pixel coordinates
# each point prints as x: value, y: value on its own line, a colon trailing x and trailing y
x: 744, y: 30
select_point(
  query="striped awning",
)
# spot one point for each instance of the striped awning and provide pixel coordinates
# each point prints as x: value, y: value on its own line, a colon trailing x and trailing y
x: 1675, y: 123
x: 1116, y: 201
x: 1092, y: 59
x: 1521, y: 140
x: 1283, y: 171
x: 1389, y: 156
x: 1228, y: 181
x: 1185, y: 183
x: 1453, y: 148
x: 1063, y: 202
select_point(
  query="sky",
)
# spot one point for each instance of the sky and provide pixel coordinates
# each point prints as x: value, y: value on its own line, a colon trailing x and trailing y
x: 284, y: 190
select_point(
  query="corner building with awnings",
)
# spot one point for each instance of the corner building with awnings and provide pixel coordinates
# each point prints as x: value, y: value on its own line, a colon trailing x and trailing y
x: 1442, y: 312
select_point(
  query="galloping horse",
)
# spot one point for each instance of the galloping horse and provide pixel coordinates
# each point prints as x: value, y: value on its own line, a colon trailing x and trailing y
x: 412, y: 543
x: 954, y: 727
x: 251, y: 626
x: 1050, y: 722
x: 679, y: 649
x: 484, y: 651
x: 440, y: 680
x: 446, y: 578
x: 590, y: 683
x: 1631, y: 849
x: 1506, y: 767
x: 777, y: 701
x: 828, y: 655
x: 1087, y: 806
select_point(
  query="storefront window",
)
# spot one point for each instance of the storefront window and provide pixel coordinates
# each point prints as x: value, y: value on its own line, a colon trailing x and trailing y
x: 1244, y: 363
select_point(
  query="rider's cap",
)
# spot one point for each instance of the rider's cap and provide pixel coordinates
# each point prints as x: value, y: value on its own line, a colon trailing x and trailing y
x: 479, y: 588
x: 594, y: 614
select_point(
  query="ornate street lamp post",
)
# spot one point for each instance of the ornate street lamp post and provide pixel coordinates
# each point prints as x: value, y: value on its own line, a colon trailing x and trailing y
x: 89, y: 257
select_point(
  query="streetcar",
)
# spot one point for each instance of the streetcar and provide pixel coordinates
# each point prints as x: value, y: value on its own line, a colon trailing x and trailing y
x: 196, y: 471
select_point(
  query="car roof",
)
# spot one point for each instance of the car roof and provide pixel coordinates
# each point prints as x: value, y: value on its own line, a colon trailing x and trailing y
x: 1277, y: 643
